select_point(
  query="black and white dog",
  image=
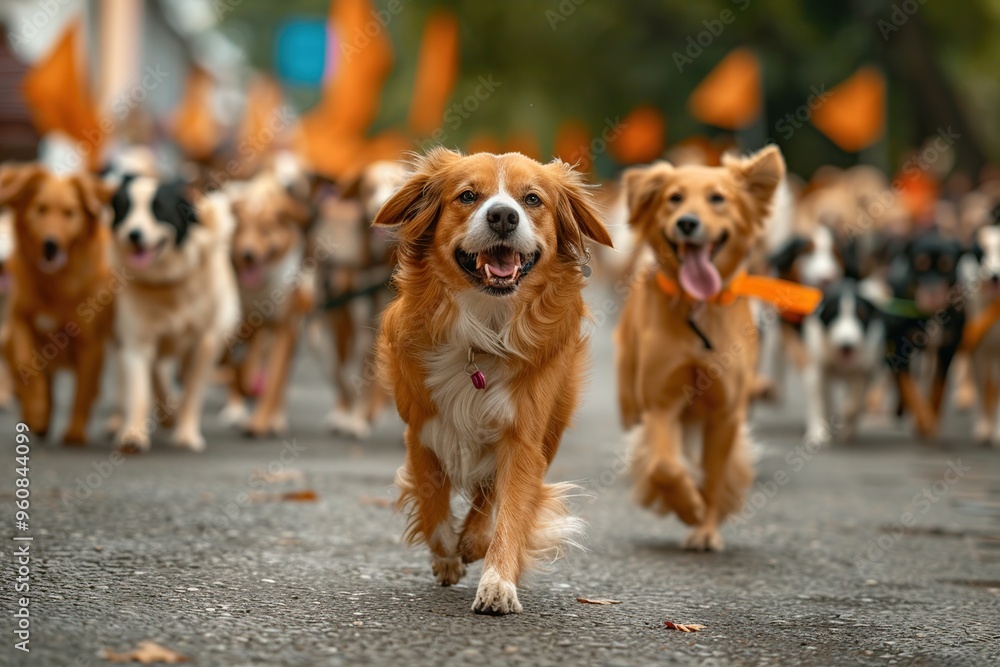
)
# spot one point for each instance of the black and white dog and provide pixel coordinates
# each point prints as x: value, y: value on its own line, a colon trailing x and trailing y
x: 845, y: 341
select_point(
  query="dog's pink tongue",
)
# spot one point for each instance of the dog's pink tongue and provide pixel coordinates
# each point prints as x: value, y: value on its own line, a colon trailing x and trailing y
x: 503, y: 265
x: 140, y: 259
x: 251, y: 276
x: 699, y: 277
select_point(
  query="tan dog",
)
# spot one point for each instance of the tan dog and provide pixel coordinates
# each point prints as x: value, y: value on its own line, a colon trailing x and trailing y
x: 60, y: 266
x: 484, y: 354
x: 276, y: 295
x: 686, y: 355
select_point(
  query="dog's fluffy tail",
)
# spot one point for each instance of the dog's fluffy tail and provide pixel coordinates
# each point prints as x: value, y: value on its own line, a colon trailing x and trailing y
x: 556, y: 528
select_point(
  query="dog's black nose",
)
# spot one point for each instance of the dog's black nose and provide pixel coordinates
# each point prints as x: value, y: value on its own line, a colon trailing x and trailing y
x: 249, y: 257
x: 502, y: 219
x: 995, y: 279
x: 688, y: 224
x: 135, y: 236
x: 50, y: 249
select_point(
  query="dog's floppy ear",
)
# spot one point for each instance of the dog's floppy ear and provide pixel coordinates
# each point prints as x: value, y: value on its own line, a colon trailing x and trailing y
x: 414, y: 209
x: 759, y: 174
x: 18, y: 181
x: 642, y: 186
x: 94, y: 194
x: 576, y: 214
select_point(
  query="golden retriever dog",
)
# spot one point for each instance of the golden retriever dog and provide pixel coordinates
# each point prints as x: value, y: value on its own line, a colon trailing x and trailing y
x: 687, y: 354
x: 59, y: 268
x: 483, y: 351
x: 179, y: 303
x: 276, y: 295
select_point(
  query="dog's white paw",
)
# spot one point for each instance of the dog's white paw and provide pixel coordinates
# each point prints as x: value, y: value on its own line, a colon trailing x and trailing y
x: 349, y: 424
x: 235, y: 414
x: 495, y: 596
x: 188, y: 439
x: 817, y: 434
x: 704, y: 538
x: 448, y: 570
x: 133, y: 440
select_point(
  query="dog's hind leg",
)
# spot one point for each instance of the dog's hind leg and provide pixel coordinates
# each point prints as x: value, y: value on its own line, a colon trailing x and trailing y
x: 477, y: 531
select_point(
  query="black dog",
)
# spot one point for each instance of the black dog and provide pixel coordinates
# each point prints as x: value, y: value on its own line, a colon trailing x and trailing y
x: 927, y: 315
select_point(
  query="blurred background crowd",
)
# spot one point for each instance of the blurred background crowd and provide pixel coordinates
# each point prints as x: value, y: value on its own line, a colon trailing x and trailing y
x: 885, y: 110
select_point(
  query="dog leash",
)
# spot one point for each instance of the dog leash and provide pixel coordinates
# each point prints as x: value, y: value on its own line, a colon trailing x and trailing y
x: 787, y: 296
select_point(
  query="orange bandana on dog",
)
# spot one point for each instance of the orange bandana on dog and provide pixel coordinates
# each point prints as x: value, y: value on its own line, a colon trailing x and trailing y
x: 789, y: 297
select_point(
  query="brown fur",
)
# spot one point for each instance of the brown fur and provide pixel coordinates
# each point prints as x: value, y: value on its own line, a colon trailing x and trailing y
x: 49, y: 307
x: 662, y: 364
x: 540, y: 354
x: 270, y: 227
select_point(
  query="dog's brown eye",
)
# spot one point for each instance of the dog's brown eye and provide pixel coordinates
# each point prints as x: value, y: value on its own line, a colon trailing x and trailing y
x: 716, y: 198
x: 67, y: 213
x: 921, y: 262
x: 42, y: 209
x: 532, y: 200
x: 676, y: 198
x: 467, y: 197
x: 944, y: 264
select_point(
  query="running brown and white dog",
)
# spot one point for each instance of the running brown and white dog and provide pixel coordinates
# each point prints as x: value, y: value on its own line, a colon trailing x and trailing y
x: 483, y: 351
x: 268, y: 250
x: 681, y: 324
x: 179, y: 303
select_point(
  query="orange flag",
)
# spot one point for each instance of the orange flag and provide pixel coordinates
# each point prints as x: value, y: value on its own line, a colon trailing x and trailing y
x: 437, y: 69
x: 730, y: 96
x: 58, y: 94
x: 331, y: 136
x: 853, y: 115
x: 640, y: 137
x: 194, y: 126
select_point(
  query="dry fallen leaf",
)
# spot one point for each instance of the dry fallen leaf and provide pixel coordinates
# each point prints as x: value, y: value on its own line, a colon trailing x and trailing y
x: 147, y: 653
x: 684, y: 627
x: 375, y: 501
x: 303, y: 496
x: 598, y: 601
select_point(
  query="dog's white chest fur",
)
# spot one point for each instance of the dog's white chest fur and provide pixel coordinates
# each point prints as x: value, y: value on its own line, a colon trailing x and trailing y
x: 469, y: 421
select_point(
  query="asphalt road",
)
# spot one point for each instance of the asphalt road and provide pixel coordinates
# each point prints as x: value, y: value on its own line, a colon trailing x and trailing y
x: 200, y: 554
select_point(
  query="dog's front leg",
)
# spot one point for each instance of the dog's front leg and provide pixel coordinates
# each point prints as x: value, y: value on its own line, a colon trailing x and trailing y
x: 425, y: 489
x: 89, y: 365
x: 817, y: 416
x: 719, y: 488
x: 33, y: 387
x: 909, y: 394
x: 196, y: 377
x: 517, y: 496
x: 268, y: 415
x: 137, y: 372
x: 662, y: 480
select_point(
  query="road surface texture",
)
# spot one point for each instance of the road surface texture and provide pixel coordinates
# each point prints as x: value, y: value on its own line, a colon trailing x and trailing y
x: 880, y: 551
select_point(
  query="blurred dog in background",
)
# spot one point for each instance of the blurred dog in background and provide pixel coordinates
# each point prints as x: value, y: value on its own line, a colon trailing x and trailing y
x: 702, y: 224
x: 179, y: 305
x: 60, y: 309
x: 269, y: 243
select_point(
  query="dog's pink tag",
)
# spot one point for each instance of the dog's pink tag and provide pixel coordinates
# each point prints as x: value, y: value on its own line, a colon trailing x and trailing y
x: 478, y: 380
